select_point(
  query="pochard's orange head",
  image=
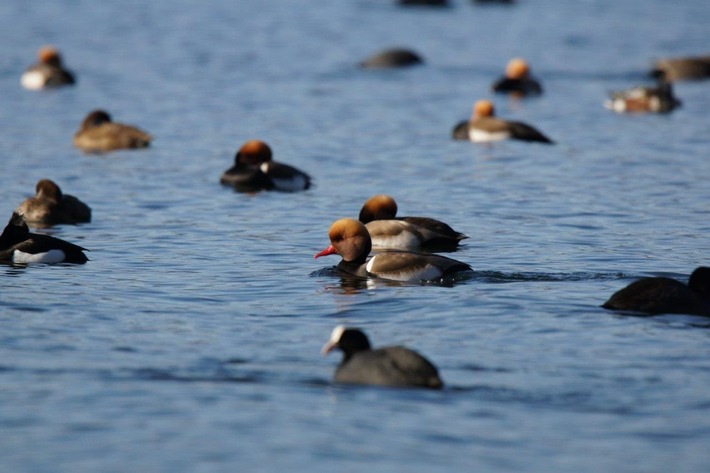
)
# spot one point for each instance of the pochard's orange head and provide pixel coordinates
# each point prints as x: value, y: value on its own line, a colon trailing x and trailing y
x: 378, y: 207
x: 483, y: 108
x: 49, y: 55
x: 254, y: 152
x: 517, y: 69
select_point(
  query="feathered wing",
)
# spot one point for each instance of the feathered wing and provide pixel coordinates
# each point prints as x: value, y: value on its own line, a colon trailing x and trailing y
x: 525, y: 132
x: 412, y: 267
x: 436, y: 226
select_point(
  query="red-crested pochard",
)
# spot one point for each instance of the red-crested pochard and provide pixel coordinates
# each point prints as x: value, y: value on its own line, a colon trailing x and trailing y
x: 485, y: 127
x: 48, y: 72
x: 254, y: 170
x: 351, y: 240
x: 517, y: 80
x: 395, y: 366
x: 379, y: 214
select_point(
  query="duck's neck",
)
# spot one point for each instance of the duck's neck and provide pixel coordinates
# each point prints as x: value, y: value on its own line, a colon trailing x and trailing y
x: 356, y: 268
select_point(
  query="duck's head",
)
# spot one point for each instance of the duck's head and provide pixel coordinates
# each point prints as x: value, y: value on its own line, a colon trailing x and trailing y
x: 483, y: 108
x: 378, y: 207
x: 517, y: 68
x: 253, y: 152
x: 349, y: 239
x: 348, y: 340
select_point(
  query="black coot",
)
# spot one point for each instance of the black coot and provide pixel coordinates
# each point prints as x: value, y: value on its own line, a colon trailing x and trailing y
x: 389, y: 366
x: 665, y: 295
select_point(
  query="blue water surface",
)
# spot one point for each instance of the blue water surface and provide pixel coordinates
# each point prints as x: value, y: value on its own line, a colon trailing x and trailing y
x: 190, y: 341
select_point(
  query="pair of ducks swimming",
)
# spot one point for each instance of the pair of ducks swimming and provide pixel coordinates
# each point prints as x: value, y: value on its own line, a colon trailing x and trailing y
x: 378, y: 227
x: 485, y: 127
x: 49, y: 207
x: 655, y: 99
x: 660, y: 98
x: 254, y: 168
x: 97, y: 132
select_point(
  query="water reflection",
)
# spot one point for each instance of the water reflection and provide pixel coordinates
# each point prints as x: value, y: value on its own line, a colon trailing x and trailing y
x: 13, y: 269
x: 351, y: 284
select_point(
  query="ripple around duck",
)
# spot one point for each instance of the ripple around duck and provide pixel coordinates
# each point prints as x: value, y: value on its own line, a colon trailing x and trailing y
x: 354, y: 282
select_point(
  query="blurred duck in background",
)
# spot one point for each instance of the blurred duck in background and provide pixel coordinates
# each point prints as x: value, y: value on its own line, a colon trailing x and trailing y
x: 48, y: 72
x: 98, y: 134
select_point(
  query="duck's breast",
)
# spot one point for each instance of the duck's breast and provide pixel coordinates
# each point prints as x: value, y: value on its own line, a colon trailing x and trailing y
x: 33, y: 79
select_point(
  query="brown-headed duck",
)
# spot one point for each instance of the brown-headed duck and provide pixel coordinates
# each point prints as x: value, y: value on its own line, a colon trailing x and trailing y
x: 255, y: 170
x: 48, y: 72
x: 485, y: 127
x: 50, y: 206
x: 98, y: 134
x: 517, y: 80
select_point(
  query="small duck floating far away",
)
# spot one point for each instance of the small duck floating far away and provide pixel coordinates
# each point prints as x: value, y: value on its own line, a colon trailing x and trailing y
x: 484, y: 127
x: 350, y: 239
x: 255, y: 170
x: 392, y: 58
x: 517, y: 80
x: 682, y: 68
x: 98, y: 134
x: 50, y: 206
x: 423, y: 3
x: 19, y: 246
x: 379, y: 214
x: 48, y: 72
x: 654, y: 99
